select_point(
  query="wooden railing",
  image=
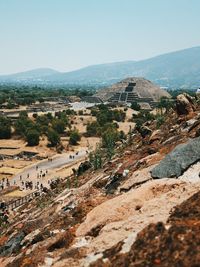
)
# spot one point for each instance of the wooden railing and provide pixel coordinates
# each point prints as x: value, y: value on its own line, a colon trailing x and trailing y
x: 22, y: 200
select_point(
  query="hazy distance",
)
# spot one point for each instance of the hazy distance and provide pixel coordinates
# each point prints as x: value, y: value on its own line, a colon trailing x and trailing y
x: 67, y: 35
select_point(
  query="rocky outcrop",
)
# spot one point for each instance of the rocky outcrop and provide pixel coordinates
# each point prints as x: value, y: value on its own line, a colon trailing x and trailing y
x: 184, y: 104
x: 13, y: 245
x: 156, y: 135
x: 115, y: 219
x: 179, y: 160
x: 166, y: 245
x: 80, y: 222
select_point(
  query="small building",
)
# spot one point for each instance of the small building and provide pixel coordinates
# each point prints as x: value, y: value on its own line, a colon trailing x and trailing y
x: 198, y: 91
x: 7, y: 153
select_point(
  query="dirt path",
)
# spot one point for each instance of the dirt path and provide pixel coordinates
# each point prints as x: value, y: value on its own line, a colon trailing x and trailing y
x: 42, y: 171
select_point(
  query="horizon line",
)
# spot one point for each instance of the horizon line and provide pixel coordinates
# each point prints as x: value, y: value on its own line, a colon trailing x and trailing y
x: 105, y: 63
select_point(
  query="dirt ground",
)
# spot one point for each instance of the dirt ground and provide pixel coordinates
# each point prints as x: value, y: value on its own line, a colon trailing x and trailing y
x: 10, y: 167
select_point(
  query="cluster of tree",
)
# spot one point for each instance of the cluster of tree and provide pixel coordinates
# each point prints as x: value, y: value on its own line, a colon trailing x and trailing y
x: 32, y: 129
x: 45, y: 124
x: 135, y: 106
x: 165, y: 104
x: 13, y: 95
x: 107, y: 148
x: 105, y: 118
x: 96, y: 158
x: 105, y: 127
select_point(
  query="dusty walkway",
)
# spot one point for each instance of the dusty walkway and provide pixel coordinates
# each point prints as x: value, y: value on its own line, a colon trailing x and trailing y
x: 44, y: 170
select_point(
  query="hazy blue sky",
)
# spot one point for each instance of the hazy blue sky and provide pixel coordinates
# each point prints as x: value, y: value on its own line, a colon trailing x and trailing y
x: 69, y: 34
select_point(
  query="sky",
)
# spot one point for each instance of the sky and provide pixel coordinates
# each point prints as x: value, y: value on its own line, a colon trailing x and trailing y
x: 69, y: 34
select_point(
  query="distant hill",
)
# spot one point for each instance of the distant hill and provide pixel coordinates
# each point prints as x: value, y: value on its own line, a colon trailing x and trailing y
x: 31, y: 75
x: 174, y: 70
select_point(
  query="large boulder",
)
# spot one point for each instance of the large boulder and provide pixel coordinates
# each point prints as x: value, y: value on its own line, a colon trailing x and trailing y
x: 179, y: 160
x: 156, y: 135
x: 184, y: 104
x: 13, y: 245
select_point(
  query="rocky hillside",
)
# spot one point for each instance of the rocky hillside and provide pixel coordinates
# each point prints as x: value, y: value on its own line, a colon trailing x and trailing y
x: 140, y: 209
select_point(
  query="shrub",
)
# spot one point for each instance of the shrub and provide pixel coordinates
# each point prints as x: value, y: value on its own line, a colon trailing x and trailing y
x: 165, y: 103
x: 118, y: 115
x: 122, y: 135
x: 74, y: 138
x: 80, y: 112
x: 22, y: 124
x: 135, y: 106
x: 59, y: 126
x: 92, y: 129
x: 32, y: 137
x: 53, y: 137
x: 5, y: 128
x: 142, y: 117
x: 35, y: 115
x: 109, y: 138
x: 96, y: 159
x: 159, y: 121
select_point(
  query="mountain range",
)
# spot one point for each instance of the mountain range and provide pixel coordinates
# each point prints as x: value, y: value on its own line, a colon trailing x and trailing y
x: 180, y: 69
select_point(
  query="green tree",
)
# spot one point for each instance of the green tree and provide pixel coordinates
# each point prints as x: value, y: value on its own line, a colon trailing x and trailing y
x: 10, y: 104
x: 135, y: 106
x: 80, y: 112
x: 165, y: 104
x: 122, y: 135
x: 5, y: 128
x: 104, y: 116
x: 23, y: 114
x: 32, y: 137
x: 142, y: 117
x: 53, y: 137
x: 96, y: 158
x: 58, y: 125
x: 118, y: 115
x: 22, y: 124
x: 93, y: 129
x: 109, y: 138
x: 74, y: 137
x: 35, y: 115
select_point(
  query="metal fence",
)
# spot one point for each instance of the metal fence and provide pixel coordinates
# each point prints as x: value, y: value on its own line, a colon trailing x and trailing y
x: 20, y: 201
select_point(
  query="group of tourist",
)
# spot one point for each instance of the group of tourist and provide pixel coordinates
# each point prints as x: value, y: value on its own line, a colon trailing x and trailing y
x: 4, y: 183
x: 4, y: 213
x: 26, y: 183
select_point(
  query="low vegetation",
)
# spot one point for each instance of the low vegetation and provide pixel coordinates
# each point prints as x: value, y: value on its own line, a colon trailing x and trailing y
x: 32, y: 129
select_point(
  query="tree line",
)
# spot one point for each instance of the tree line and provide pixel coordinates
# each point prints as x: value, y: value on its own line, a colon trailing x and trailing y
x: 31, y: 129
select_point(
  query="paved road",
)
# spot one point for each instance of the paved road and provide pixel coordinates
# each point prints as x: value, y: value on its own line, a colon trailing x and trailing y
x: 31, y: 173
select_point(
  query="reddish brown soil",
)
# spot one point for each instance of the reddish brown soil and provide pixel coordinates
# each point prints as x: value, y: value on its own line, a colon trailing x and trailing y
x: 177, y: 244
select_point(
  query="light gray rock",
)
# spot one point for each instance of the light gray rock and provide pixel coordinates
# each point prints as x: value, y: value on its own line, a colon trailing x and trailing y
x: 179, y: 160
x: 12, y: 245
